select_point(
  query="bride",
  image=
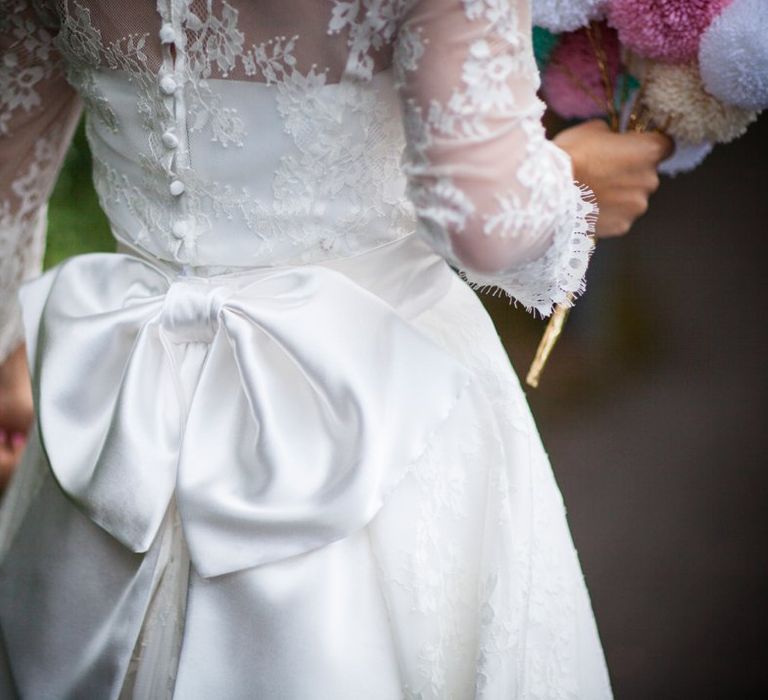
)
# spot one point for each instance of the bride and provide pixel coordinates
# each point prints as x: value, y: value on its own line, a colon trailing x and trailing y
x: 279, y: 451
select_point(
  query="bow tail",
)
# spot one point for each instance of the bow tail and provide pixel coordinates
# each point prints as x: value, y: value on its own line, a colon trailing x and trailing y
x: 72, y: 601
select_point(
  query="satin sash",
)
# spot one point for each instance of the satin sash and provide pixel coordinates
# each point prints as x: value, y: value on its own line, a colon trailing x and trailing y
x: 314, y: 397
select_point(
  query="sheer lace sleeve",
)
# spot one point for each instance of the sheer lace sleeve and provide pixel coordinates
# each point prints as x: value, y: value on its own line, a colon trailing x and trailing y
x: 38, y: 112
x: 492, y: 193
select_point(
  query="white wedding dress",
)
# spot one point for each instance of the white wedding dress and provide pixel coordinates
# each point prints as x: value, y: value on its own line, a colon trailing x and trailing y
x: 279, y: 449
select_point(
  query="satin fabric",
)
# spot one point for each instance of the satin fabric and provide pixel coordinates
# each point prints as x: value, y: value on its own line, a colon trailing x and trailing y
x: 314, y: 396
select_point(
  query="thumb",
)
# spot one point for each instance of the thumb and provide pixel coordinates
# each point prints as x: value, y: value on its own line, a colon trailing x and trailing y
x: 662, y: 145
x: 595, y: 125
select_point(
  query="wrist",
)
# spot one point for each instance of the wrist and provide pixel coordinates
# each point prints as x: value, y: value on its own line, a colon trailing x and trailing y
x: 571, y: 149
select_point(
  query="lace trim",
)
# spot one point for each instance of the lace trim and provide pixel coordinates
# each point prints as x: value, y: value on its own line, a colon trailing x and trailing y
x: 557, y: 277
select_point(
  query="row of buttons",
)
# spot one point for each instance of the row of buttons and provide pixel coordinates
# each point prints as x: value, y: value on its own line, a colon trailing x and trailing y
x: 169, y: 86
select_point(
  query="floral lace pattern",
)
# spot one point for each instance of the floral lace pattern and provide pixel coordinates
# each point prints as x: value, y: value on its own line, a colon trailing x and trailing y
x: 346, y: 140
x: 25, y: 62
x: 372, y: 24
x: 80, y: 41
x: 22, y: 233
x: 481, y: 621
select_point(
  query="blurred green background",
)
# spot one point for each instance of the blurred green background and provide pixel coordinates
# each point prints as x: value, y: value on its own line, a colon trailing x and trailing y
x: 76, y: 224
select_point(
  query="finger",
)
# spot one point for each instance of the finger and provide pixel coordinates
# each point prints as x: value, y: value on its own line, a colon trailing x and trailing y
x: 17, y: 417
x: 6, y: 472
x: 652, y: 182
x: 18, y: 441
x: 644, y: 148
x: 19, y: 422
x: 660, y: 145
x: 7, y: 460
x: 634, y: 203
x: 596, y: 125
x: 611, y: 226
x: 645, y: 179
x: 11, y: 450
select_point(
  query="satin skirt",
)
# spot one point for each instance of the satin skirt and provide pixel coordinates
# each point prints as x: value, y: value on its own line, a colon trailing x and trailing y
x: 458, y: 579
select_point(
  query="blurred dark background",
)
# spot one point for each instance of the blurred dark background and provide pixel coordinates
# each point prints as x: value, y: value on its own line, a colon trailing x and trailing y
x: 653, y: 412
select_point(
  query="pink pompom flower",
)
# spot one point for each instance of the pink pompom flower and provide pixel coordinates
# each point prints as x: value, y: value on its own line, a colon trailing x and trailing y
x: 665, y: 30
x: 573, y: 85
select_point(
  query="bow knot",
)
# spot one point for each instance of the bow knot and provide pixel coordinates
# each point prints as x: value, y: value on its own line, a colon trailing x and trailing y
x: 191, y: 310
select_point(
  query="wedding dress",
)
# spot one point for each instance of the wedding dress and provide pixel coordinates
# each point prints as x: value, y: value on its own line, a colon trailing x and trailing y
x: 279, y: 449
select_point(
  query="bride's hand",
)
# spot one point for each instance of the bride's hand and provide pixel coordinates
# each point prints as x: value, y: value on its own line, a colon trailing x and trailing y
x: 620, y: 169
x: 15, y: 411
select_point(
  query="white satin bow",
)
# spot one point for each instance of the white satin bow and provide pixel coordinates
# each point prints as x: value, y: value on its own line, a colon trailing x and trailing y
x: 314, y: 398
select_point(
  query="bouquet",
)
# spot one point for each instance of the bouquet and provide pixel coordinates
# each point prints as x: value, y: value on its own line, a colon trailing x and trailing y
x: 695, y: 69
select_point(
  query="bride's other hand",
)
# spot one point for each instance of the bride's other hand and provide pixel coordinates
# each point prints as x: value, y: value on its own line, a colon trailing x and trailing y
x: 15, y: 411
x: 620, y: 169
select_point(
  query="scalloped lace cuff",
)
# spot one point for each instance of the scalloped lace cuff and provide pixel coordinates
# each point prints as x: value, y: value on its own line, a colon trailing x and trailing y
x: 558, y: 276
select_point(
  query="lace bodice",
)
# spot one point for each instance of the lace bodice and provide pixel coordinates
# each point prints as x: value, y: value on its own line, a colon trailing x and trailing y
x: 231, y: 134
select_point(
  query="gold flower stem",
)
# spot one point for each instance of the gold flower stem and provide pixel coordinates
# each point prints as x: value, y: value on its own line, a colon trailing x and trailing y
x: 547, y: 342
x: 639, y: 120
x: 634, y: 117
x: 601, y: 57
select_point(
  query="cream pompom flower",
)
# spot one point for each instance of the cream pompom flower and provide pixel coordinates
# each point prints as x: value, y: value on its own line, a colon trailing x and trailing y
x: 678, y: 103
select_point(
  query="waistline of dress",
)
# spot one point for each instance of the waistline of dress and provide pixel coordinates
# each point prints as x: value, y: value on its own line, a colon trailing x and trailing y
x: 406, y: 273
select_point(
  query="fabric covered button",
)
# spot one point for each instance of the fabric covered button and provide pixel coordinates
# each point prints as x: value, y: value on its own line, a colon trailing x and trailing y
x: 170, y: 140
x: 176, y: 188
x: 167, y: 34
x: 179, y: 229
x: 168, y: 85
